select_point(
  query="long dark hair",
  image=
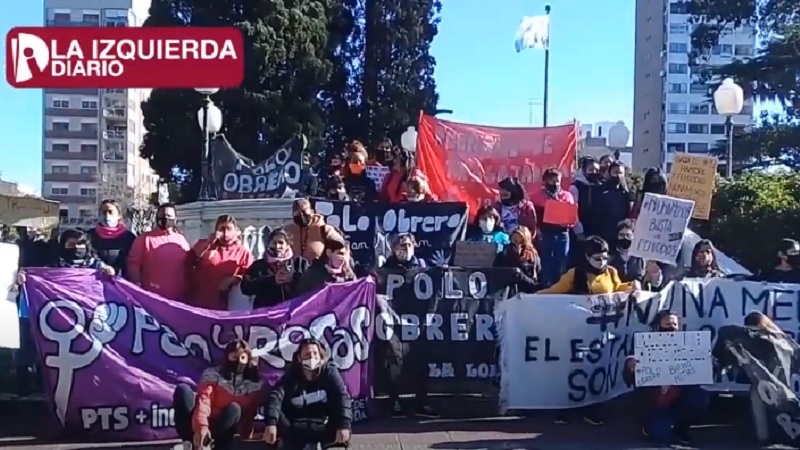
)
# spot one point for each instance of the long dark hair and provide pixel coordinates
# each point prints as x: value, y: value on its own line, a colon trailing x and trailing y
x: 227, y: 369
x: 591, y: 246
x: 297, y: 364
x: 695, y: 271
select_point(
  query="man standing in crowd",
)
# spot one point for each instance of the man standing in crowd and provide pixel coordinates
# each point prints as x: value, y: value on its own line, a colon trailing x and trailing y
x: 554, y: 237
x: 309, y: 231
x: 158, y: 258
x: 613, y: 203
x: 583, y: 191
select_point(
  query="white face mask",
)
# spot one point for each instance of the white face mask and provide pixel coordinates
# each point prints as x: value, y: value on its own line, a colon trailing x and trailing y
x: 487, y: 226
x: 312, y: 363
x: 599, y: 265
x: 405, y: 255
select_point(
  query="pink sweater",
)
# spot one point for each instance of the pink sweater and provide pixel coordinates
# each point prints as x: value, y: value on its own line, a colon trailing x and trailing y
x: 158, y: 263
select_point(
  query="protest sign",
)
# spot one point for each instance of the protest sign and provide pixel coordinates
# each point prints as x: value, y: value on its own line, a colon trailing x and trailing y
x: 369, y: 227
x: 377, y: 174
x: 465, y: 162
x: 680, y: 358
x: 113, y: 353
x: 475, y: 254
x: 239, y: 177
x: 560, y: 213
x: 438, y: 324
x: 545, y: 340
x: 693, y: 178
x: 31, y: 212
x: 9, y: 315
x: 659, y: 230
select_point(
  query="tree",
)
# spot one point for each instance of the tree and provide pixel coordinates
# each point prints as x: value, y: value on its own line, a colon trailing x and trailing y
x: 771, y: 75
x: 286, y: 66
x: 775, y: 139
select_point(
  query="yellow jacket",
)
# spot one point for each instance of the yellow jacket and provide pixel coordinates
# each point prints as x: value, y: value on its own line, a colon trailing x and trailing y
x: 604, y: 283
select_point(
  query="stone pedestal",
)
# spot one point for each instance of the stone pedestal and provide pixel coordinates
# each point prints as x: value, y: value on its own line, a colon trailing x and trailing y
x: 255, y: 217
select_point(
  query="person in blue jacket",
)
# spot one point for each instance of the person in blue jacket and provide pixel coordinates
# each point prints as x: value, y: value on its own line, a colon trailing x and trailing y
x: 489, y: 228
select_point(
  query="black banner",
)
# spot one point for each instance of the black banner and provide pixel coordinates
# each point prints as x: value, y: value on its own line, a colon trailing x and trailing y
x: 437, y: 326
x: 238, y: 177
x: 771, y: 361
x: 369, y: 226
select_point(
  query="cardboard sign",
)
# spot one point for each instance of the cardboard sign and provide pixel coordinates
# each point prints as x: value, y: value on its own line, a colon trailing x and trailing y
x: 560, y: 213
x: 681, y: 358
x: 658, y: 233
x: 693, y: 178
x: 475, y: 254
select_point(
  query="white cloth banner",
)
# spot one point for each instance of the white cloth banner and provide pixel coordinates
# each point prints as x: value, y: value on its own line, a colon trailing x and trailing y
x: 567, y: 351
x: 9, y: 315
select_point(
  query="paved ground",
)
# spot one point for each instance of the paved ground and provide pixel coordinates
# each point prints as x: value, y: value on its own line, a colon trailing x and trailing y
x: 24, y: 431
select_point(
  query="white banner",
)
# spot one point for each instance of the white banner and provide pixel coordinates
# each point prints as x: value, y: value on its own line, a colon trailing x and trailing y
x: 566, y: 351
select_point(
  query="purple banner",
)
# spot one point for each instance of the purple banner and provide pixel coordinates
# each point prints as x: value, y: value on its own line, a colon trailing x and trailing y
x: 112, y: 353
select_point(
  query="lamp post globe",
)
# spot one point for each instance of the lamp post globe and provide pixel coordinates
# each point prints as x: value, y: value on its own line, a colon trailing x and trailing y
x: 408, y: 140
x: 214, y: 123
x: 207, y: 91
x: 729, y: 98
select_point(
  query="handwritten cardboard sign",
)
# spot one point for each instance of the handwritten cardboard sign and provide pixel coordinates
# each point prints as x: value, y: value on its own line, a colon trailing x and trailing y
x: 692, y: 178
x: 30, y: 212
x: 560, y: 213
x: 680, y: 358
x: 659, y: 230
x: 475, y: 254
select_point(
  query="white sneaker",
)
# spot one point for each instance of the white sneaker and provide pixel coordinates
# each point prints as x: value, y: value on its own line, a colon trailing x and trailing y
x: 185, y: 445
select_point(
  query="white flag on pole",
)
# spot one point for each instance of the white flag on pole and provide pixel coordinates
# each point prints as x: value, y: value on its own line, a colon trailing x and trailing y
x: 533, y: 32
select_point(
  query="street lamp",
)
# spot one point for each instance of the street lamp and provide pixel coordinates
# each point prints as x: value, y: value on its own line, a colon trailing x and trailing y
x: 210, y: 119
x: 729, y: 100
x: 408, y: 140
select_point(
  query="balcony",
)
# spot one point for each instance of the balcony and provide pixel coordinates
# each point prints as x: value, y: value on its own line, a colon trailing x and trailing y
x: 115, y: 135
x: 114, y: 113
x: 70, y: 112
x: 75, y: 199
x: 114, y: 156
x: 71, y: 134
x: 72, y: 91
x: 70, y: 23
x: 86, y: 155
x: 72, y: 177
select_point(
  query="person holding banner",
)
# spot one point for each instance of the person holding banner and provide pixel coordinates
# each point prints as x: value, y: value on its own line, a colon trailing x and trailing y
x: 704, y: 262
x: 310, y: 404
x: 218, y: 263
x: 417, y: 190
x: 394, y: 185
x: 75, y: 252
x: 226, y: 402
x: 515, y: 208
x: 557, y: 213
x: 273, y: 279
x: 335, y: 190
x: 110, y: 238
x: 522, y: 255
x: 359, y: 186
x: 489, y: 228
x: 335, y: 266
x: 403, y: 254
x: 654, y: 182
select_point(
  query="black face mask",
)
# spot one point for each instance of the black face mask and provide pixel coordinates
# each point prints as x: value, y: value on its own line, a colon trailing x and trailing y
x: 74, y: 254
x: 624, y: 244
x: 614, y: 181
x: 667, y: 329
x: 551, y: 187
x: 592, y: 177
x: 301, y: 219
x: 164, y: 223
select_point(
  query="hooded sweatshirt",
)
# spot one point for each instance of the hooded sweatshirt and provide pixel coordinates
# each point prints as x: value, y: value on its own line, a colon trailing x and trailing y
x: 211, y: 264
x: 309, y: 241
x: 301, y: 400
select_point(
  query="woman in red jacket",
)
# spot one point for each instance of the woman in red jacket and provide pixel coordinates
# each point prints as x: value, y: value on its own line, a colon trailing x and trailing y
x: 218, y: 264
x: 226, y: 402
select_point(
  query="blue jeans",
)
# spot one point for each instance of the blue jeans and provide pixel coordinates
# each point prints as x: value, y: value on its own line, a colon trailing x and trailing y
x: 663, y: 422
x: 554, y: 251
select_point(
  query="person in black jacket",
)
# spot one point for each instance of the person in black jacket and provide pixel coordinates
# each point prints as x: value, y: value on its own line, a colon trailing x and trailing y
x: 403, y: 254
x: 273, y: 279
x: 310, y: 404
x: 335, y: 189
x: 522, y: 255
x: 787, y: 268
x: 334, y: 266
x: 628, y: 267
x: 359, y: 186
x: 110, y: 239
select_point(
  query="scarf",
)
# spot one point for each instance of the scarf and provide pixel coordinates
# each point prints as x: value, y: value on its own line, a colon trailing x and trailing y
x: 277, y: 257
x: 104, y: 232
x: 340, y: 271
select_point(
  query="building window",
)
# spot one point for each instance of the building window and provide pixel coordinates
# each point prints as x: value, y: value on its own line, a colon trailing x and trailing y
x: 61, y: 104
x: 677, y: 88
x: 91, y: 17
x: 88, y: 104
x: 89, y: 127
x: 699, y: 108
x: 61, y: 126
x: 676, y: 147
x: 60, y: 148
x: 722, y: 50
x: 678, y: 28
x: 61, y: 17
x: 116, y: 22
x: 59, y: 191
x: 88, y: 170
x: 114, y: 91
x: 717, y: 129
x: 677, y: 108
x: 59, y: 169
x: 698, y: 147
x: 85, y: 192
x: 89, y: 148
x: 743, y: 50
x: 679, y: 8
x: 676, y: 127
x: 678, y: 47
x: 698, y: 88
x: 698, y: 128
x: 677, y: 68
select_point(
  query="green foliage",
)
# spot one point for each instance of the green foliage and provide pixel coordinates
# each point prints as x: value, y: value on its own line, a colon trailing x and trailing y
x: 751, y: 214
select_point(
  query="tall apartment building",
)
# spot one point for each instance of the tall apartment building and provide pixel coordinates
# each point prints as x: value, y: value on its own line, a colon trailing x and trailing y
x: 672, y: 109
x: 90, y: 149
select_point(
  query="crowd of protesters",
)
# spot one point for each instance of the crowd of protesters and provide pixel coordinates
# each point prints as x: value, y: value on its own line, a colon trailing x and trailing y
x: 590, y: 255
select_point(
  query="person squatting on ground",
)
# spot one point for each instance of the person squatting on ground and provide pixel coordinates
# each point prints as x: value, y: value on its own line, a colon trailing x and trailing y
x: 310, y: 404
x: 226, y: 402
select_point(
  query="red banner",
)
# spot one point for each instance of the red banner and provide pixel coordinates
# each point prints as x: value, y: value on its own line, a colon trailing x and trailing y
x: 465, y: 162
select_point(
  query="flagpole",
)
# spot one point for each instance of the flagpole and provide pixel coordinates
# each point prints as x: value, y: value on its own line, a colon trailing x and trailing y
x: 546, y: 72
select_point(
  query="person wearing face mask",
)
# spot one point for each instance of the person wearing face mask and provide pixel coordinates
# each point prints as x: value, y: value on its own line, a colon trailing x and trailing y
x: 335, y: 266
x: 310, y: 405
x: 403, y: 254
x: 787, y: 269
x: 522, y: 255
x: 628, y: 267
x: 383, y: 154
x: 273, y: 279
x: 514, y: 207
x: 359, y: 186
x: 417, y: 190
x: 218, y: 263
x: 158, y: 258
x: 554, y: 237
x: 393, y: 189
x: 489, y: 228
x: 309, y: 178
x: 227, y: 399
x: 584, y: 191
x: 335, y: 190
x: 654, y: 182
x: 110, y: 238
x: 308, y: 231
x: 666, y: 414
x: 337, y: 163
x: 612, y: 204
